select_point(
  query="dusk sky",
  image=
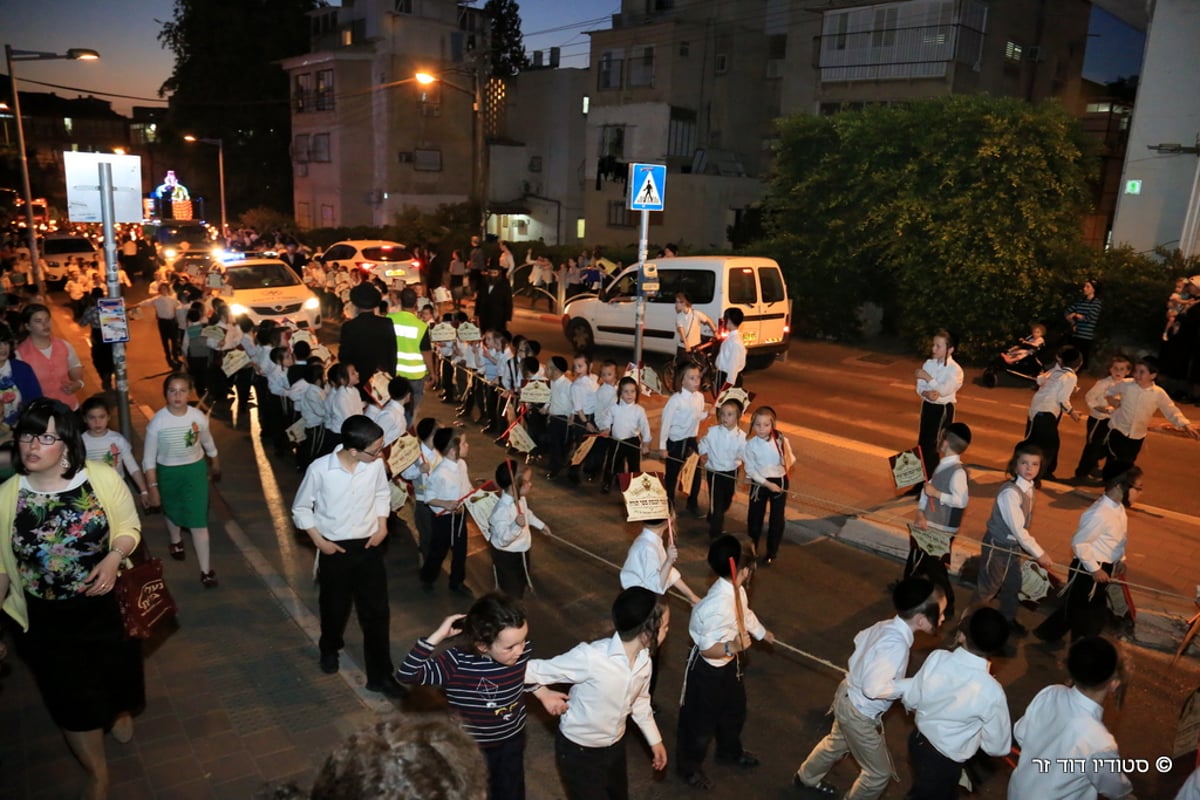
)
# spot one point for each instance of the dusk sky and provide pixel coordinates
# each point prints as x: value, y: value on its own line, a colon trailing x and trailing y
x: 133, y: 63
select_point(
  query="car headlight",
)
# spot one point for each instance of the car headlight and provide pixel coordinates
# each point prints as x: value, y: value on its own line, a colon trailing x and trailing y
x: 312, y: 304
x: 238, y: 309
x: 170, y: 252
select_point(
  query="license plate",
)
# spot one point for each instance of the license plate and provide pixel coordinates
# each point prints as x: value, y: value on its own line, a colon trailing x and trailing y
x: 749, y: 337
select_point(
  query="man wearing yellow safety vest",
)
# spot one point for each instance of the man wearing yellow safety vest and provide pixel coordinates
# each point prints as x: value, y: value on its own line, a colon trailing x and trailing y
x: 414, y: 356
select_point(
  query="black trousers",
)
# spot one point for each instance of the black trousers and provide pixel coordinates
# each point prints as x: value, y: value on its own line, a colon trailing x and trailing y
x: 622, y: 455
x: 1122, y: 453
x: 102, y: 357
x: 449, y: 535
x: 592, y: 773
x: 935, y: 777
x: 1084, y: 346
x: 512, y: 572
x: 760, y: 498
x: 714, y: 706
x: 937, y: 570
x: 1084, y: 609
x: 168, y: 334
x: 677, y: 453
x: 197, y: 367
x: 356, y: 578
x: 506, y: 769
x: 1042, y: 430
x: 556, y: 438
x: 934, y: 417
x: 1094, y: 449
x: 721, y: 486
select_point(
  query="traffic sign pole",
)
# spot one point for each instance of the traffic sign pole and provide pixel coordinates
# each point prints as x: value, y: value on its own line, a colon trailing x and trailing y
x: 647, y: 188
x: 113, y: 280
x: 639, y: 314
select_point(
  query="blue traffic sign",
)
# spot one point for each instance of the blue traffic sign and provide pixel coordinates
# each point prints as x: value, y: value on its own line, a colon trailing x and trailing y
x: 647, y: 186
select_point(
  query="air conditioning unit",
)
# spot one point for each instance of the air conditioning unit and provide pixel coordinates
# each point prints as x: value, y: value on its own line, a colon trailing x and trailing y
x: 1035, y: 53
x: 775, y: 68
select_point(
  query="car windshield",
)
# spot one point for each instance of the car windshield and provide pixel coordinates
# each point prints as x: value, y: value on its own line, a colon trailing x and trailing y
x: 261, y: 276
x: 57, y: 247
x: 387, y: 254
x: 194, y: 235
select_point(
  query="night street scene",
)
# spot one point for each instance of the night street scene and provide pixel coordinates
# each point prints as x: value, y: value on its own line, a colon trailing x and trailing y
x: 504, y: 399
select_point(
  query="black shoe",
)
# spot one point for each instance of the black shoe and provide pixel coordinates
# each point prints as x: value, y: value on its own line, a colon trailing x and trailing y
x: 605, y: 488
x: 329, y: 663
x: 822, y: 789
x: 697, y: 513
x: 464, y: 590
x: 573, y: 477
x: 746, y: 760
x: 698, y: 780
x: 766, y: 561
x: 388, y: 688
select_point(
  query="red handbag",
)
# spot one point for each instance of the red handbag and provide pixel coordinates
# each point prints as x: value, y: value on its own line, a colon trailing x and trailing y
x: 142, y: 595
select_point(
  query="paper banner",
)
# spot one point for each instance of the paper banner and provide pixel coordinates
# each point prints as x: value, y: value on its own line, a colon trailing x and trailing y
x: 1035, y: 583
x: 442, y: 295
x: 405, y: 451
x: 789, y: 456
x: 735, y: 393
x: 1189, y: 726
x: 519, y: 439
x: 469, y: 332
x: 536, y: 393
x: 584, y: 448
x: 397, y: 496
x: 689, y: 471
x: 296, y: 432
x: 935, y: 543
x: 215, y: 334
x: 651, y: 381
x: 907, y: 468
x: 234, y: 360
x: 321, y: 353
x: 479, y: 505
x: 442, y: 332
x: 304, y: 336
x: 645, y: 498
x: 378, y: 386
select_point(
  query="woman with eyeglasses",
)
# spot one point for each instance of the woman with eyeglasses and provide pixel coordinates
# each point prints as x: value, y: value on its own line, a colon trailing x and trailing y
x: 66, y: 524
x: 55, y: 362
x: 177, y: 440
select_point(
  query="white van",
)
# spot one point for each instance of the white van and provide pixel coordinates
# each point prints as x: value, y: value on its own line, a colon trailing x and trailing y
x: 714, y: 284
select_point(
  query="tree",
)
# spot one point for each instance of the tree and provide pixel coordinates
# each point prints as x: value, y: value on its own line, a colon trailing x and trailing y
x: 505, y: 41
x: 227, y: 84
x: 960, y: 212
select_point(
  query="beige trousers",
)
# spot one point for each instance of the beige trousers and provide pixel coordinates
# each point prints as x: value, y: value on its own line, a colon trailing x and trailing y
x: 861, y: 737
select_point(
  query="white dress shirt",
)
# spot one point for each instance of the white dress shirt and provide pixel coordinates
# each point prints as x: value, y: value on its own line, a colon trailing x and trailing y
x: 959, y: 706
x: 644, y: 564
x: 341, y: 402
x: 1102, y: 534
x: 681, y: 417
x: 1062, y: 723
x: 764, y: 459
x: 731, y: 358
x: 1097, y: 400
x: 724, y: 448
x: 583, y: 394
x: 310, y: 402
x: 1009, y: 501
x: 957, y: 496
x: 714, y: 619
x: 392, y: 418
x: 1191, y: 789
x: 504, y: 533
x: 946, y: 379
x: 690, y: 325
x: 342, y: 505
x: 605, y: 690
x: 624, y: 421
x: 1055, y: 388
x: 1137, y: 408
x: 606, y: 398
x: 420, y: 477
x: 561, y: 404
x: 877, y: 666
x: 448, y: 481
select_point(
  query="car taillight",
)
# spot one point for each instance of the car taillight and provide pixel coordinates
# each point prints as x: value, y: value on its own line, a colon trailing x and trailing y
x: 416, y: 264
x: 363, y: 265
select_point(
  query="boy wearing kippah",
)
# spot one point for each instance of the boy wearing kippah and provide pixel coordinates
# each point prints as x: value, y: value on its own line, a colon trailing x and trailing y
x: 943, y: 500
x: 1065, y: 749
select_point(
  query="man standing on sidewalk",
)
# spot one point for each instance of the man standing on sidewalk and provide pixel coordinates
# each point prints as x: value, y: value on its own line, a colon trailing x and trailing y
x: 342, y: 505
x: 414, y: 353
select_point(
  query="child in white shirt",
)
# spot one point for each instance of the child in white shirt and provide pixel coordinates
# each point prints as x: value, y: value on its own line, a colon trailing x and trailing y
x: 721, y: 450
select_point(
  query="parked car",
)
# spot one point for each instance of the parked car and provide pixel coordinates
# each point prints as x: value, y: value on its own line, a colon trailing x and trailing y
x: 388, y: 261
x: 267, y: 288
x: 713, y: 283
x: 60, y: 251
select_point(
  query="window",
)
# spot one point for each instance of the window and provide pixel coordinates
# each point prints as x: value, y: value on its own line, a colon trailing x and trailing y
x: 699, y: 284
x: 841, y: 26
x: 320, y: 147
x: 743, y: 290
x: 427, y: 160
x: 724, y: 45
x: 302, y: 92
x: 535, y: 163
x: 681, y: 133
x: 402, y: 6
x: 327, y: 217
x: 325, y: 98
x: 621, y: 217
x: 641, y: 66
x: 580, y: 228
x: 777, y: 46
x: 612, y: 141
x: 300, y: 151
x: 772, y: 285
x: 608, y: 76
x: 1013, y: 51
x: 883, y: 34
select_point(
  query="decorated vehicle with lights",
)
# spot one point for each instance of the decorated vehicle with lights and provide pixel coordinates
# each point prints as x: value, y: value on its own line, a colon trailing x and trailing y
x: 388, y: 261
x: 267, y: 288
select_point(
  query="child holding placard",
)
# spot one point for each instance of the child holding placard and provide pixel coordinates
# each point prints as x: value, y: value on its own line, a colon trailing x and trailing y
x: 445, y: 491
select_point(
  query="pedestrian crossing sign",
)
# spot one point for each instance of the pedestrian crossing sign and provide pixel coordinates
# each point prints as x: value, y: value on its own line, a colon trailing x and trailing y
x: 647, y: 186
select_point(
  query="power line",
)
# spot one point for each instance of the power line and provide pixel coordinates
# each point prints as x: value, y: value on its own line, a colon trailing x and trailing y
x: 93, y: 91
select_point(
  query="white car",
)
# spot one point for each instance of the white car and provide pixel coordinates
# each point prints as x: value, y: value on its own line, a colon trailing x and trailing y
x: 267, y: 288
x: 388, y: 261
x: 58, y: 252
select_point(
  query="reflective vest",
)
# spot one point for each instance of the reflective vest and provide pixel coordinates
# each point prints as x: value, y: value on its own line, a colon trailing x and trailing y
x: 410, y: 330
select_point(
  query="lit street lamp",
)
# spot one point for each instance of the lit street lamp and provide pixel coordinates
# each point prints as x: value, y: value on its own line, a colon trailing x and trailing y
x: 220, y: 145
x: 11, y: 55
x: 479, y: 182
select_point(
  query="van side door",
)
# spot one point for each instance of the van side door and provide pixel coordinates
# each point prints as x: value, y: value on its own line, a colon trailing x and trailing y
x: 741, y: 291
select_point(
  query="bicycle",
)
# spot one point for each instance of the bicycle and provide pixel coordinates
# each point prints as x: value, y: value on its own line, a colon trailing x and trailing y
x: 702, y: 356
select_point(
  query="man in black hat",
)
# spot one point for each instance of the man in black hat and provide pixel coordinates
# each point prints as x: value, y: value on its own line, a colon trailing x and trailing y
x: 493, y: 301
x: 368, y: 341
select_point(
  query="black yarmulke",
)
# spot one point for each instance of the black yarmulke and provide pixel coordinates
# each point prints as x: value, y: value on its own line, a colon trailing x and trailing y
x: 1092, y: 660
x: 911, y: 592
x: 632, y: 607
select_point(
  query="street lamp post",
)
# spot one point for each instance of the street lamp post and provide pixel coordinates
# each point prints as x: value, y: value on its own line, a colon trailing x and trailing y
x: 479, y: 180
x: 11, y: 55
x: 220, y: 145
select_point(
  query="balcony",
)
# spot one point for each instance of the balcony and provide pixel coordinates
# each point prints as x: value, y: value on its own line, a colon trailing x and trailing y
x: 895, y: 53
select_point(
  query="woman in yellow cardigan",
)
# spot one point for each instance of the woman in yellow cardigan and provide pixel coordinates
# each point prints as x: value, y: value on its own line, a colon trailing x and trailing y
x: 66, y: 525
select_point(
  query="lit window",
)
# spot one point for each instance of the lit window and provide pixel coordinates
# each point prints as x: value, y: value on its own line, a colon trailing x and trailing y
x: 580, y: 228
x: 587, y: 101
x: 1012, y: 51
x: 68, y: 124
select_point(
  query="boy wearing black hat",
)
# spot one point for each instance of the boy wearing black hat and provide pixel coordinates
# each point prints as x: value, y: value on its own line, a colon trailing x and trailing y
x: 610, y: 680
x: 940, y: 507
x: 714, y: 697
x: 875, y: 679
x: 959, y: 708
x: 1065, y: 749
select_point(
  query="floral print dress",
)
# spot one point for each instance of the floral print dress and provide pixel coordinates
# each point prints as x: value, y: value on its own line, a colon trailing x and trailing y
x: 58, y: 539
